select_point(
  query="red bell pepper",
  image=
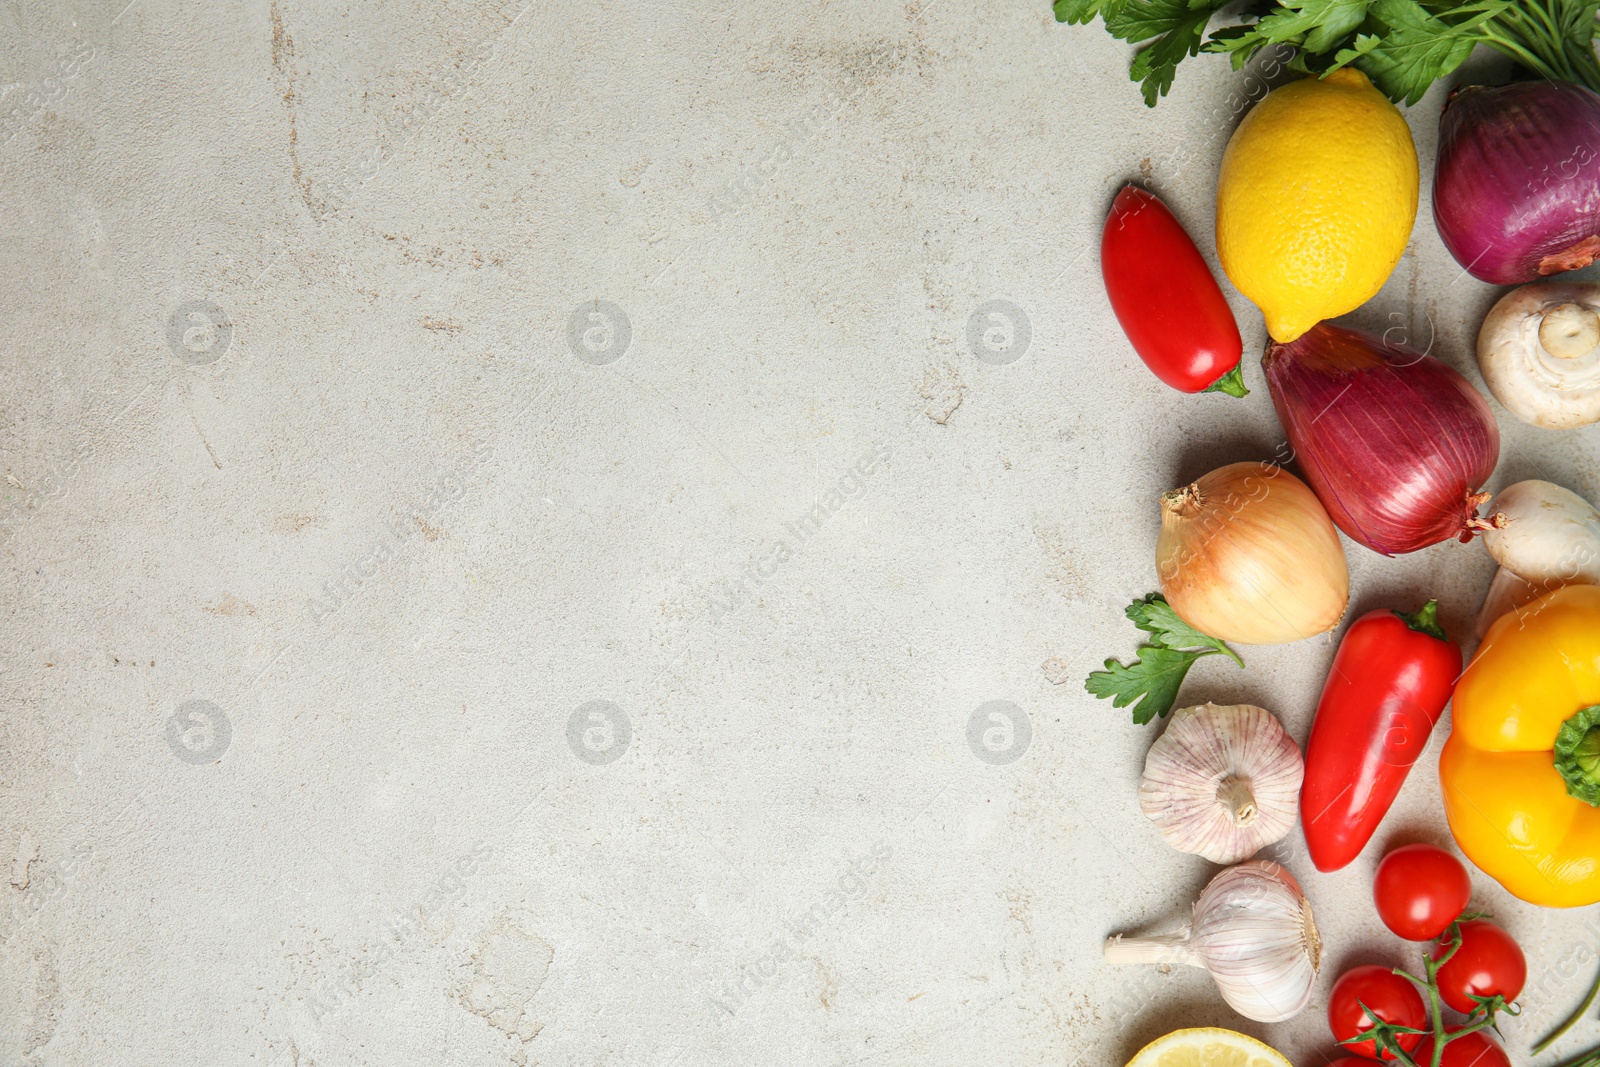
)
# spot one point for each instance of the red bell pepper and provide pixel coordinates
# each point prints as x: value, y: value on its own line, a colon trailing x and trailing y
x: 1391, y: 678
x: 1166, y: 298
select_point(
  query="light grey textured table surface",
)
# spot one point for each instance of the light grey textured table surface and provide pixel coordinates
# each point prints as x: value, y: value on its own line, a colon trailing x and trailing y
x: 549, y: 444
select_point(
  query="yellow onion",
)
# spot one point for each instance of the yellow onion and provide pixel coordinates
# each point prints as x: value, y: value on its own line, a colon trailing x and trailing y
x: 1248, y: 554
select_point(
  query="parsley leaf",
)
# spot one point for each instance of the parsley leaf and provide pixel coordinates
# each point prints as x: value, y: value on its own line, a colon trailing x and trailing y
x: 1404, y: 46
x: 1140, y: 20
x: 1155, y: 616
x: 1416, y: 47
x: 1079, y: 11
x: 1318, y: 25
x: 1363, y: 43
x: 1314, y: 25
x: 1152, y: 680
x: 1156, y: 65
x: 1170, y: 31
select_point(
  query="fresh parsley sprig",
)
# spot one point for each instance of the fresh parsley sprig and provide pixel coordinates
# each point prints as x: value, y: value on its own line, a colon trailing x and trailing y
x: 1170, y: 30
x: 1153, y: 678
x: 1404, y: 46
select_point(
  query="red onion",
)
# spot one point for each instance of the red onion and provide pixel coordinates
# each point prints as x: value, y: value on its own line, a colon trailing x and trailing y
x: 1516, y: 189
x: 1394, y: 442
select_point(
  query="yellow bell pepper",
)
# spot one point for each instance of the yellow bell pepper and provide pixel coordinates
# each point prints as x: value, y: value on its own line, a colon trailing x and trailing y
x: 1521, y: 770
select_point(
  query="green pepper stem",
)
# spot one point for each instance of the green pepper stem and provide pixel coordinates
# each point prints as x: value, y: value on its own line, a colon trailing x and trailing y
x: 1231, y: 383
x: 1425, y: 621
x: 1577, y: 755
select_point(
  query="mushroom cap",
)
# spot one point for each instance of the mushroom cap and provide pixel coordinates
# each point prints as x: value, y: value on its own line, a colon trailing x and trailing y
x: 1536, y: 386
x: 1192, y: 775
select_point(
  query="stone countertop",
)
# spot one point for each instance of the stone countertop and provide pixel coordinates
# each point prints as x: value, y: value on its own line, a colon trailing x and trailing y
x: 518, y: 517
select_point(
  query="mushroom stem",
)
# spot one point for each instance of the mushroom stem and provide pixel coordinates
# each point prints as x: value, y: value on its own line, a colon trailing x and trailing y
x: 1568, y: 331
x: 1234, y: 792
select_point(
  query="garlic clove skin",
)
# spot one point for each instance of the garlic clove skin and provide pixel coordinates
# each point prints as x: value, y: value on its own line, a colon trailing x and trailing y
x: 1539, y: 351
x: 1222, y: 782
x: 1253, y: 931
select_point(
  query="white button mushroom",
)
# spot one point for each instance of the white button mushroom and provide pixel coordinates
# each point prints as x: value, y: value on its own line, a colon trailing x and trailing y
x: 1539, y: 350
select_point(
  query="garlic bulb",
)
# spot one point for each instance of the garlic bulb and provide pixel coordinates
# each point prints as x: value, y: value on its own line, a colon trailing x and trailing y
x: 1247, y: 554
x: 1222, y: 782
x: 1539, y: 350
x: 1253, y: 930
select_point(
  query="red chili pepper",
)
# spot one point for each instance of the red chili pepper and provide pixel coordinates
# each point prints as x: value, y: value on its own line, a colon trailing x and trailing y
x: 1166, y: 298
x: 1391, y: 678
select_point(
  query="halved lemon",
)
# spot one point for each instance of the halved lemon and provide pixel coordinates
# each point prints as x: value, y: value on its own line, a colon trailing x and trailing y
x: 1207, y: 1047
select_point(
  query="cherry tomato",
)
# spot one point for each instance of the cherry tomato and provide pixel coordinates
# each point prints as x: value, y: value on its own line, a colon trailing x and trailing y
x: 1391, y: 998
x: 1477, y: 1049
x: 1488, y: 962
x: 1166, y: 298
x: 1420, y: 890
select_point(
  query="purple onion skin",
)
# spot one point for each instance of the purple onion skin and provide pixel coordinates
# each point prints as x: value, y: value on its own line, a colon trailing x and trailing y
x: 1394, y: 442
x: 1516, y: 188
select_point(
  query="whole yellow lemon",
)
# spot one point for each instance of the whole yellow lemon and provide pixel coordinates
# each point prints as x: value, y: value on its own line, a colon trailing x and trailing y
x: 1315, y: 201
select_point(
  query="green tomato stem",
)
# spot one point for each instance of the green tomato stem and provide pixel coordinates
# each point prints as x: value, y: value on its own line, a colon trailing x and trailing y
x: 1435, y: 1004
